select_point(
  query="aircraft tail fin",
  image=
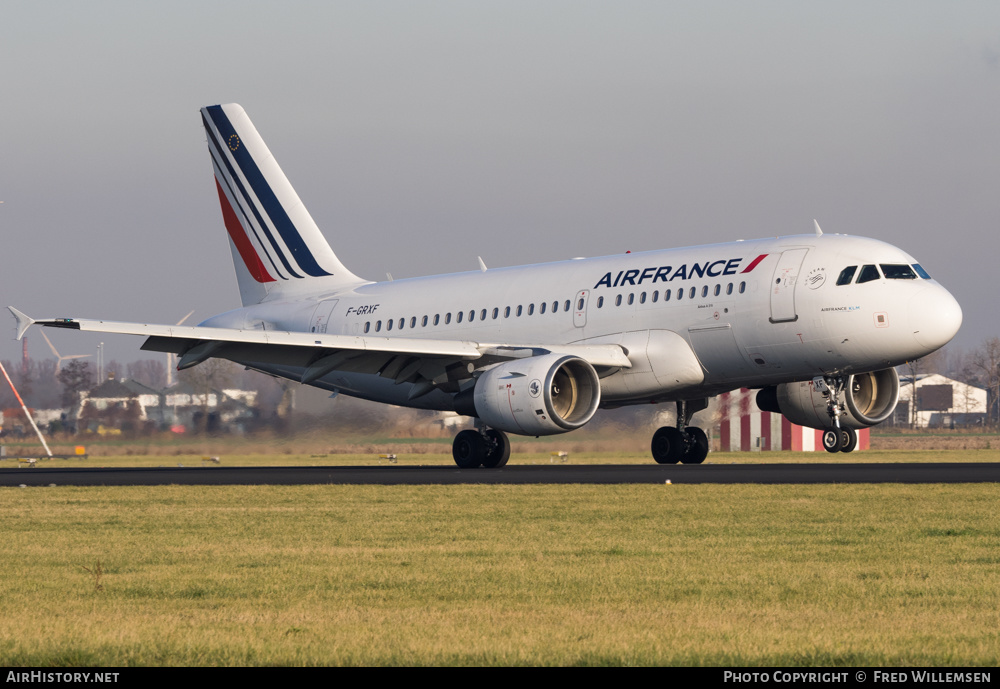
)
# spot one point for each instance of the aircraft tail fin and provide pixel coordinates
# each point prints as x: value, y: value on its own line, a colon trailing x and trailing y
x: 277, y: 247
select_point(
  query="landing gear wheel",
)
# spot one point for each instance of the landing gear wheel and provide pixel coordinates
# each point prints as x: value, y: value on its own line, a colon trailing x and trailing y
x: 848, y: 439
x: 468, y: 449
x: 668, y: 445
x: 697, y: 446
x: 832, y: 440
x: 497, y: 449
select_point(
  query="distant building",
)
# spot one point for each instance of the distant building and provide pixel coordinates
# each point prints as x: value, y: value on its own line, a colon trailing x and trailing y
x: 941, y: 402
x: 228, y: 409
x: 128, y: 405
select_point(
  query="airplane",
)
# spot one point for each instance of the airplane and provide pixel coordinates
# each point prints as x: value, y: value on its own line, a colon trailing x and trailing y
x: 816, y: 322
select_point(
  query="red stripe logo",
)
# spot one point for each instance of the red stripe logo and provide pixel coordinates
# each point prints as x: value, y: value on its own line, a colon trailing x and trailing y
x: 753, y: 264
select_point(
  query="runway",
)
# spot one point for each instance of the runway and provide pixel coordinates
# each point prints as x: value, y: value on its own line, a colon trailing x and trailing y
x: 511, y: 475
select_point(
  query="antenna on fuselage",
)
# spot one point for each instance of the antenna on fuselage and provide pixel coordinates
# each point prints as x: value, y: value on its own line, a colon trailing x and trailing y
x: 819, y: 232
x: 482, y: 264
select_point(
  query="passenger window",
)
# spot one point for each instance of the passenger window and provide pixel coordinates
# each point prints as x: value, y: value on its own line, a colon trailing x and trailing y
x: 718, y: 289
x: 691, y: 295
x: 618, y: 300
x: 743, y: 287
x: 423, y: 322
x: 729, y: 288
x: 368, y: 326
x: 566, y: 305
x: 458, y: 316
x: 579, y: 304
x: 600, y: 302
x: 704, y: 291
x: 868, y: 273
x: 378, y: 326
x: 447, y: 318
x: 631, y: 298
x: 496, y: 312
x: 894, y: 271
x: 666, y: 295
x: 541, y: 307
x: 656, y: 295
x: 555, y: 307
x: 519, y: 310
x: 846, y: 275
x: 531, y: 309
x: 482, y: 315
x: 680, y: 294
x: 388, y: 324
x: 642, y: 298
x: 402, y: 322
x: 506, y: 312
x: 921, y: 272
x: 437, y: 318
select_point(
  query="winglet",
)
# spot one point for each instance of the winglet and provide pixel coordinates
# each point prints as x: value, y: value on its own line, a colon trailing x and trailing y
x: 819, y: 232
x: 23, y: 322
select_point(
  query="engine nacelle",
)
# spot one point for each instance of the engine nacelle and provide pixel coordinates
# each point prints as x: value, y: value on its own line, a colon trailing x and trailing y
x: 539, y: 395
x: 868, y: 399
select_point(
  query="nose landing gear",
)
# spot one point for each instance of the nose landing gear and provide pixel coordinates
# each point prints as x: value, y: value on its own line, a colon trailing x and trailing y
x: 836, y: 438
x: 840, y: 439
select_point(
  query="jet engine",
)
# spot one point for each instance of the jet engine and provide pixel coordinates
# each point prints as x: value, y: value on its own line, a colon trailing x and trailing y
x: 867, y: 399
x: 539, y: 395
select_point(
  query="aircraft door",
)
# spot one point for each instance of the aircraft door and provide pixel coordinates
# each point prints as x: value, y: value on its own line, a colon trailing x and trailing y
x: 580, y: 308
x: 321, y: 316
x: 783, y: 281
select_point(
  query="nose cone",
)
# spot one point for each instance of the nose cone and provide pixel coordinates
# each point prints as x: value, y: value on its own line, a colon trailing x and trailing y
x: 935, y: 317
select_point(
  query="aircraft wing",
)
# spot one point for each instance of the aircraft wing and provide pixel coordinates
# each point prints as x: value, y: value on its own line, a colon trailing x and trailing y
x: 403, y: 358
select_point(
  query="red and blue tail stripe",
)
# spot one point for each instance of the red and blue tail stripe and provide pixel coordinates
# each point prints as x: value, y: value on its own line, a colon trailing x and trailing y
x: 239, y: 236
x: 253, y: 192
x: 277, y: 248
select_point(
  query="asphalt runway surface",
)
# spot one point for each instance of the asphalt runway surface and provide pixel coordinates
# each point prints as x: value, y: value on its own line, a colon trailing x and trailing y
x: 509, y: 475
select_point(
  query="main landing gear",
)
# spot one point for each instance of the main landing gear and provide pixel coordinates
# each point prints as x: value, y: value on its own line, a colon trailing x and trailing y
x: 835, y: 438
x: 683, y: 443
x: 486, y: 447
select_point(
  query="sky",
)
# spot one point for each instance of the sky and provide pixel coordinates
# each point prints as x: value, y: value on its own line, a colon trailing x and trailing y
x: 421, y: 135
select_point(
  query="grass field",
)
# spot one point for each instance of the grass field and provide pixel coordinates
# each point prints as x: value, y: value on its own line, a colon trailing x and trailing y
x: 501, y: 575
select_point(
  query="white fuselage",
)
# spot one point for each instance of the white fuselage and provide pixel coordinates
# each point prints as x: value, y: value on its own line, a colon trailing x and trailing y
x: 753, y: 313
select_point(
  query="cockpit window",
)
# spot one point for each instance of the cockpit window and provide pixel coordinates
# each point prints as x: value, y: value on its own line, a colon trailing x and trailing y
x: 895, y: 271
x: 846, y: 275
x: 921, y: 272
x: 868, y: 273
